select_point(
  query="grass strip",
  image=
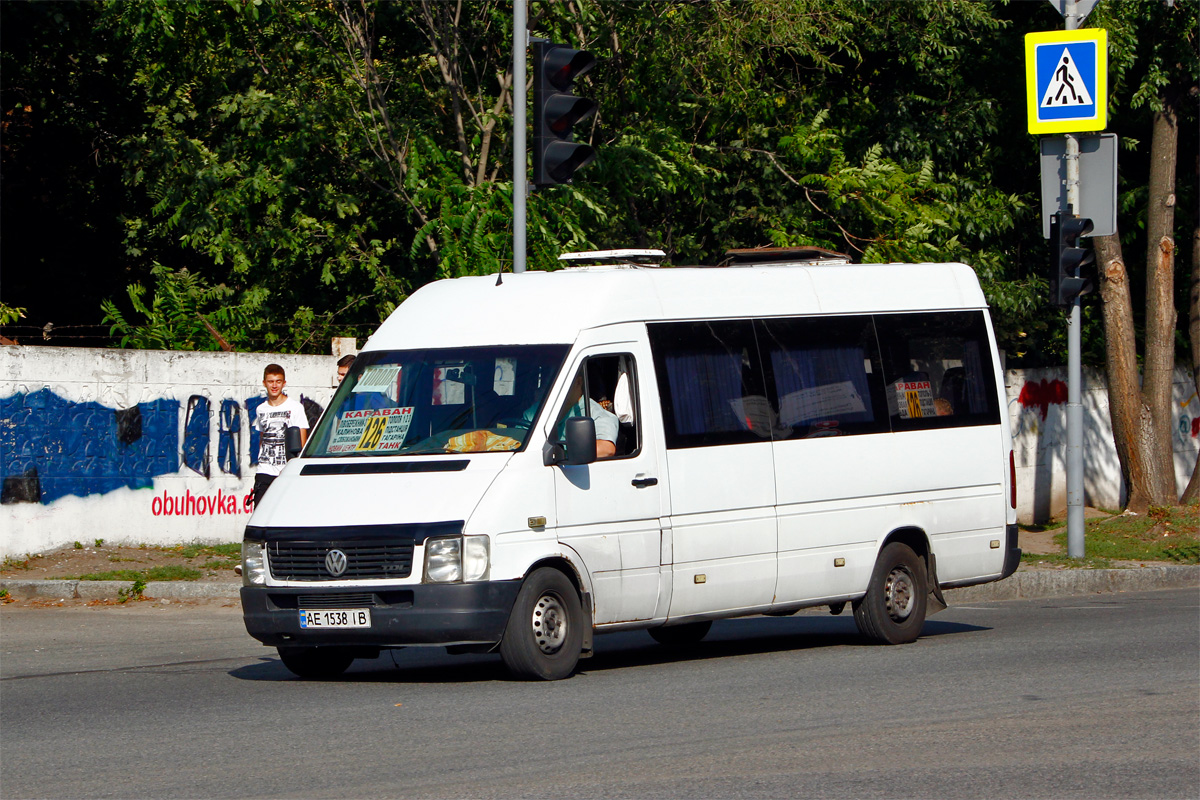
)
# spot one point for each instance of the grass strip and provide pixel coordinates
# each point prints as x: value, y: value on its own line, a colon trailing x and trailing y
x: 168, y: 572
x: 1168, y: 534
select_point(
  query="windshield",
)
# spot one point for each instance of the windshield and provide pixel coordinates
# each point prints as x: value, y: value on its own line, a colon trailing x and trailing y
x: 415, y: 402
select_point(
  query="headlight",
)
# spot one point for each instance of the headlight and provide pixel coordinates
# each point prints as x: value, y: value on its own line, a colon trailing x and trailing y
x: 457, y: 558
x: 443, y: 560
x: 254, y: 565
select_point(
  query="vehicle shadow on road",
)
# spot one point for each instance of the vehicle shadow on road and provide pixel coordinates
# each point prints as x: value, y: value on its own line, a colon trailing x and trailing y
x: 728, y: 638
x: 414, y: 665
x: 753, y: 636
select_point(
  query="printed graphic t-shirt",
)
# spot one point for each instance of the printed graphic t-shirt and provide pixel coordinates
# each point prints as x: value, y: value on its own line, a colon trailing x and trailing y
x: 272, y: 422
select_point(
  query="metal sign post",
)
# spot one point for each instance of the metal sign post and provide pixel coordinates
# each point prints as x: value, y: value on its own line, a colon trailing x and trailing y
x: 1075, y: 528
x: 520, y: 42
x: 1075, y: 548
x: 1067, y: 92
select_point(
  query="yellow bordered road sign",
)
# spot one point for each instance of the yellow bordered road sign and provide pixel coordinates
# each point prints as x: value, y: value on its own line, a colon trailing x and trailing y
x: 1066, y: 80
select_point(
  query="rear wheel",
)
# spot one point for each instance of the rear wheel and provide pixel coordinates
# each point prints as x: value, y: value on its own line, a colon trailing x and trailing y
x: 678, y: 635
x: 544, y: 636
x: 893, y: 610
x: 315, y: 663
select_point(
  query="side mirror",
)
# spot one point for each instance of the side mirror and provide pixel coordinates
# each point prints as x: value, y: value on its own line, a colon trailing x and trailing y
x: 581, y: 441
x: 291, y: 438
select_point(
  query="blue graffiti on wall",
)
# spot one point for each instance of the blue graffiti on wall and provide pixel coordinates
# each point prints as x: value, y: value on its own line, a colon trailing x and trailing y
x: 252, y: 404
x: 230, y: 438
x: 52, y: 448
x: 195, y: 435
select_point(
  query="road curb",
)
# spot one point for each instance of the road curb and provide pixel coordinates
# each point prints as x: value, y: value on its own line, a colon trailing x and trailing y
x: 1034, y: 583
x: 111, y: 590
x: 1024, y: 584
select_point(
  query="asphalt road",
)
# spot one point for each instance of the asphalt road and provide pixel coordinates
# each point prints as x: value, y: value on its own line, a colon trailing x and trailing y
x: 1095, y: 696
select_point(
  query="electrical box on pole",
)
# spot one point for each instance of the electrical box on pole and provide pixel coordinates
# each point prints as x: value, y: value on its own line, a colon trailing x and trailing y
x: 1071, y: 275
x: 556, y: 110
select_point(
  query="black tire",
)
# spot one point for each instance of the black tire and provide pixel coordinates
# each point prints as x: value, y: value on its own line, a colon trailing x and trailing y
x: 893, y: 610
x: 681, y: 635
x: 544, y: 636
x: 315, y: 663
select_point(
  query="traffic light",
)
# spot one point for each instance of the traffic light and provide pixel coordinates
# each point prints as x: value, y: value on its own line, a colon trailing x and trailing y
x: 555, y: 112
x: 1070, y: 276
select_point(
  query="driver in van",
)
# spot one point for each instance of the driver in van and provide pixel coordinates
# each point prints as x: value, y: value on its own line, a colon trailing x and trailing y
x: 607, y: 425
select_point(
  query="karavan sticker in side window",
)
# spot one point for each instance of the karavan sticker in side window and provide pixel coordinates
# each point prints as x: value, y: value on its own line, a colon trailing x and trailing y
x: 914, y: 399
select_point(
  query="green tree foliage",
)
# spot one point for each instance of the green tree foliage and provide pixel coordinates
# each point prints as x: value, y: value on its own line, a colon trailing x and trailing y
x: 867, y: 128
x: 322, y: 159
x: 185, y: 313
x: 244, y: 157
x: 10, y: 314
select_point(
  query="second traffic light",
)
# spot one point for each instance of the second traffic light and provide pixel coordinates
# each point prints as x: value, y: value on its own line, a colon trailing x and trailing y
x: 1070, y: 276
x: 555, y: 111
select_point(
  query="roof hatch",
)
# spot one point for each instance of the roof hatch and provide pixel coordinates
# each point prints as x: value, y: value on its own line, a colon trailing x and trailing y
x: 776, y: 256
x: 618, y: 258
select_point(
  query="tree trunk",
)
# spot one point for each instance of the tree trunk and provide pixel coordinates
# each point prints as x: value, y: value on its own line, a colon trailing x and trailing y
x: 1141, y: 418
x: 1159, y: 369
x: 1131, y: 419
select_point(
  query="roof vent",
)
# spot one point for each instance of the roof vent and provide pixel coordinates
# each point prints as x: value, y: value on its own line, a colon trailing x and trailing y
x: 778, y: 256
x: 611, y: 258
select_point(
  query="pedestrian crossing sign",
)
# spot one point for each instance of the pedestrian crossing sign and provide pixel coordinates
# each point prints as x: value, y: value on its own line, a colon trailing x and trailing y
x: 1066, y: 80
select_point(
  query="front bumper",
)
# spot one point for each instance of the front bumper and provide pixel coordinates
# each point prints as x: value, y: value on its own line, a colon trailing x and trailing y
x: 425, y: 614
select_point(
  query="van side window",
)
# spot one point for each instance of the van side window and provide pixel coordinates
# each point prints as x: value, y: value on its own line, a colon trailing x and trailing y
x: 609, y: 384
x: 825, y: 375
x: 711, y: 383
x: 938, y: 370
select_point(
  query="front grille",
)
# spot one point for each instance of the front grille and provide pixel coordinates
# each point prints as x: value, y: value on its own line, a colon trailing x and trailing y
x: 284, y: 600
x: 345, y: 600
x: 365, y: 560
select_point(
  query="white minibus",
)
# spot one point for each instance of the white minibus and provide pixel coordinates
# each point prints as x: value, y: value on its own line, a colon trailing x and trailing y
x: 518, y: 462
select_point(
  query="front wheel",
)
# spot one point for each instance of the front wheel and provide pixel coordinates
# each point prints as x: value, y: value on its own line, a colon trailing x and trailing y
x: 315, y: 663
x: 544, y: 636
x: 893, y: 610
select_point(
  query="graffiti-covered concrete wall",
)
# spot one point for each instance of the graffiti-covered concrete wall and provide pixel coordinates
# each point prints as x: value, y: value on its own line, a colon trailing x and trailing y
x: 156, y: 447
x: 1037, y: 410
x: 134, y: 446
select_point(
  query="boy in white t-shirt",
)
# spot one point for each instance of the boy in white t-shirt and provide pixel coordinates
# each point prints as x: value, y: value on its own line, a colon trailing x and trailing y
x: 272, y: 419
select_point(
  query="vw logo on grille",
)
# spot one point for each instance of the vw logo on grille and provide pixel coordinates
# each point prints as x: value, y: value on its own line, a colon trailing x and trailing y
x: 335, y: 562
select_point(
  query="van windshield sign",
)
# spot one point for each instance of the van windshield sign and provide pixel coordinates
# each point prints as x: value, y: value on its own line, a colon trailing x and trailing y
x: 382, y: 379
x: 371, y: 430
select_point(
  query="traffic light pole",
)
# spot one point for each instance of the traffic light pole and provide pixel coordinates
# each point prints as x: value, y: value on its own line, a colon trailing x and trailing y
x: 1075, y: 548
x: 520, y: 42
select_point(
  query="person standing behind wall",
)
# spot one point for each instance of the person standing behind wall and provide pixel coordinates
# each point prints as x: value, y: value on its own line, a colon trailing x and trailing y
x: 343, y: 366
x: 272, y: 419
